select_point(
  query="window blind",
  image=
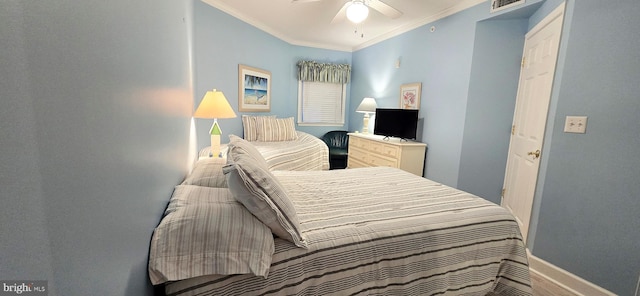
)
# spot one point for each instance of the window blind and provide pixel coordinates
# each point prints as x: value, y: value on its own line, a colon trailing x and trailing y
x: 321, y: 103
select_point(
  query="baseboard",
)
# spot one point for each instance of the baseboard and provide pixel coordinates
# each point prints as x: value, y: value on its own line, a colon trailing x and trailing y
x: 565, y: 279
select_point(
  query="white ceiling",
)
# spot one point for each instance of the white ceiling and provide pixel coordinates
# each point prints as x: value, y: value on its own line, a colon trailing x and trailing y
x: 308, y: 23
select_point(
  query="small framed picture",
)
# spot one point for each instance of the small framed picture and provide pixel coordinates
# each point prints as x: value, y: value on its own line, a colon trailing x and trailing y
x: 410, y: 95
x: 254, y: 89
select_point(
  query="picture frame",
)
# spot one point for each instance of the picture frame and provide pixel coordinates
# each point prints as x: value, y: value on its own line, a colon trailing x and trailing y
x: 410, y: 95
x: 254, y: 89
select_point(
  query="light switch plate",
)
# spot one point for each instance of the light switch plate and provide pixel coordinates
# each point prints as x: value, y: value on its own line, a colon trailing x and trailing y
x: 575, y: 124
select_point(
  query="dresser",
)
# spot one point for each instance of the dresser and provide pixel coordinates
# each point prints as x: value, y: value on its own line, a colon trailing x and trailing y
x: 366, y: 150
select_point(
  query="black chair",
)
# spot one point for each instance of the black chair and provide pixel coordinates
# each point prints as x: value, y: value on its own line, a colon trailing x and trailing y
x: 338, y: 142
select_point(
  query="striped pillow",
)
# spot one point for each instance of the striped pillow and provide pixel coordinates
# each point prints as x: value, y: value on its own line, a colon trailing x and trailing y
x: 250, y: 127
x: 239, y: 146
x: 205, y: 231
x: 207, y: 172
x: 261, y: 193
x: 276, y: 129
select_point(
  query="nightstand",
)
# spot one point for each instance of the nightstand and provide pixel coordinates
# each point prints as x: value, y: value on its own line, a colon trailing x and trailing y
x: 205, y: 152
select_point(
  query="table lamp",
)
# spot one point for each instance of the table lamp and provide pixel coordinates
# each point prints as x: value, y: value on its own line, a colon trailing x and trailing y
x: 214, y: 105
x: 367, y: 106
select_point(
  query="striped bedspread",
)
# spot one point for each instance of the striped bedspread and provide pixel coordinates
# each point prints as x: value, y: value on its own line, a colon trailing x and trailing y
x: 382, y: 231
x: 307, y: 153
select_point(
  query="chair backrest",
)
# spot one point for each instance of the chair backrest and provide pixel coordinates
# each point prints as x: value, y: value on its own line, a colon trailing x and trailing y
x: 336, y: 139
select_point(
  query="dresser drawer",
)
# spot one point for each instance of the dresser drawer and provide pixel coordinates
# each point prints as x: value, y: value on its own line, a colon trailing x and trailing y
x: 390, y: 150
x: 354, y: 163
x: 375, y: 147
x: 381, y: 148
x: 375, y: 160
x: 358, y: 154
x: 357, y: 142
x: 368, y: 158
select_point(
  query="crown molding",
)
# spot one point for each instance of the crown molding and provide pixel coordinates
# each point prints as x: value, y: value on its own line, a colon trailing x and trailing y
x: 462, y: 5
x: 403, y: 29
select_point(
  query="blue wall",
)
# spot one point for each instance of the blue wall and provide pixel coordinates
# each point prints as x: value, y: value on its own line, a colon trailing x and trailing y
x: 25, y: 251
x: 95, y: 124
x: 469, y: 69
x: 222, y: 42
x: 487, y: 131
x: 588, y: 213
x: 441, y: 61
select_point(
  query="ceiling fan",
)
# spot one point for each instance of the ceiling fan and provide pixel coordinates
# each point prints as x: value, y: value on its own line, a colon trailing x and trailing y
x: 357, y: 10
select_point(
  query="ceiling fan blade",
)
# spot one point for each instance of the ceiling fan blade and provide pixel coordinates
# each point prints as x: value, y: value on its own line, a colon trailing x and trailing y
x: 384, y: 8
x: 341, y: 15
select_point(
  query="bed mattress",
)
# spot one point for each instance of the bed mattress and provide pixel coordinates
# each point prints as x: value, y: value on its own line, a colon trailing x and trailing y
x: 383, y: 231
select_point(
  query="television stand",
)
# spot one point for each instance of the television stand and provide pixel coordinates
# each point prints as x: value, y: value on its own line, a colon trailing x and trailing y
x: 367, y: 150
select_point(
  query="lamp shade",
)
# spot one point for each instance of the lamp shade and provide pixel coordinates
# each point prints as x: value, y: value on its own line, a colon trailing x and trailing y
x: 357, y: 12
x: 214, y: 105
x: 368, y: 105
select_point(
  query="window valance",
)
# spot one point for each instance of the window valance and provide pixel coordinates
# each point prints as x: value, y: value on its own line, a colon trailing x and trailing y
x: 324, y: 72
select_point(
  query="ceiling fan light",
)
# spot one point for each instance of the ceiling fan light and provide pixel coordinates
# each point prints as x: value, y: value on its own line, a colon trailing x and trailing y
x: 357, y: 12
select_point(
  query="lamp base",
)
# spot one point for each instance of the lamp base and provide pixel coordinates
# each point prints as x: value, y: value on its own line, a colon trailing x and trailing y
x: 365, y: 124
x: 215, y: 138
x: 215, y: 145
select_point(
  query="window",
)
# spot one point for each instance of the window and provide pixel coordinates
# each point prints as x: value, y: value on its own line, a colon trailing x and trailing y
x: 322, y: 93
x: 321, y: 103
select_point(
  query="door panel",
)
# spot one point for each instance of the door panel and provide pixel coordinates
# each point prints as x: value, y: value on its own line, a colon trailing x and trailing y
x: 530, y: 117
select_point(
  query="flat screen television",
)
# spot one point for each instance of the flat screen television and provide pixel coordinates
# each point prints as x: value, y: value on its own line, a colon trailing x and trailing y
x: 399, y: 123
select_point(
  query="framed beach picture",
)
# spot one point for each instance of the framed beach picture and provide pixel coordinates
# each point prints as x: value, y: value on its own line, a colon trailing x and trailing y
x: 410, y: 95
x: 254, y: 89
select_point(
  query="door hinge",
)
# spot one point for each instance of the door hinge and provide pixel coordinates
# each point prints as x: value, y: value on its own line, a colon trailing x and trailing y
x: 523, y: 61
x: 513, y: 129
x: 504, y: 190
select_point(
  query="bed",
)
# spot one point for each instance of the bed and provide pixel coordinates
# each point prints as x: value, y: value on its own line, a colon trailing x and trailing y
x: 283, y: 147
x: 366, y: 231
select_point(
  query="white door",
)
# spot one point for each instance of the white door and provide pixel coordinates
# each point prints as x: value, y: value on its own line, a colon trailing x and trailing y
x: 529, y: 121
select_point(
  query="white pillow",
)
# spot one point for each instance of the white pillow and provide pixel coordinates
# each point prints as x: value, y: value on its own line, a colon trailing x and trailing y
x: 276, y: 129
x: 263, y: 195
